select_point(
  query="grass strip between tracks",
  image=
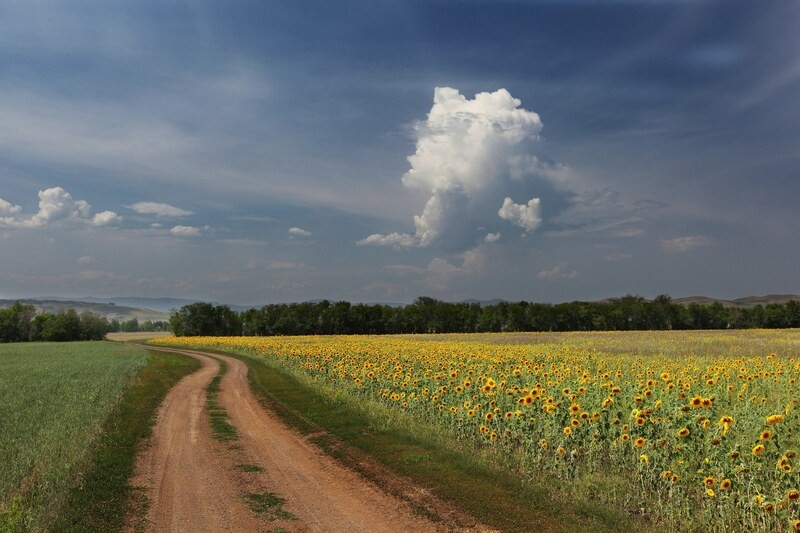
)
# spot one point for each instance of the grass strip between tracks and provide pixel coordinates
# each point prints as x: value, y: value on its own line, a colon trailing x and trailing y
x: 104, y: 496
x: 221, y: 426
x: 456, y: 474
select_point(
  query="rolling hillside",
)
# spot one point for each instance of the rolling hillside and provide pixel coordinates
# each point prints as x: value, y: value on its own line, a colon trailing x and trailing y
x: 109, y: 310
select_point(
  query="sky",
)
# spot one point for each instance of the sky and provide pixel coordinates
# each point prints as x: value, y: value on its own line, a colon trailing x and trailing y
x: 254, y: 152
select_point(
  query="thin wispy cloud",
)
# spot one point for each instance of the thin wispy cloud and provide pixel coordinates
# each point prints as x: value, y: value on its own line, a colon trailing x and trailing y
x: 686, y: 244
x: 159, y: 209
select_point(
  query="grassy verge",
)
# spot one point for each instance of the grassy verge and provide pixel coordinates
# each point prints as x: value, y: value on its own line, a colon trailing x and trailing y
x: 221, y: 427
x: 103, y: 497
x: 459, y: 475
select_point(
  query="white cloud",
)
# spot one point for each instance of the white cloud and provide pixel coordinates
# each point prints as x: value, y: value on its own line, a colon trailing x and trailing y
x: 299, y: 232
x: 9, y: 209
x: 467, y: 153
x: 685, y: 244
x: 439, y: 272
x: 557, y: 272
x: 526, y: 217
x: 56, y: 206
x: 159, y: 209
x: 492, y: 237
x: 391, y: 239
x: 185, y: 231
x: 106, y: 218
x: 86, y: 260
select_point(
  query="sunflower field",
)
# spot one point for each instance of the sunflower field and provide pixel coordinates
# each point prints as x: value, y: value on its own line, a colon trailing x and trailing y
x: 693, y: 431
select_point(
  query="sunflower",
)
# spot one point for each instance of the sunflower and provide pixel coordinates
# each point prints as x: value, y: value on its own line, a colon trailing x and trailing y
x: 710, y: 493
x: 796, y: 525
x: 696, y: 402
x: 666, y: 474
x: 675, y: 478
x: 758, y: 449
x: 775, y: 419
x: 639, y: 442
x: 561, y: 451
x: 567, y: 430
x: 625, y: 437
x: 726, y: 421
x: 683, y: 433
x: 709, y: 481
x: 793, y: 495
x: 765, y: 435
x: 725, y: 484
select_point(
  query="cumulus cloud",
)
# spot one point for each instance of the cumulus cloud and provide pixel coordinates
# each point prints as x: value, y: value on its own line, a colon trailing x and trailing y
x: 469, y: 153
x: 391, y: 239
x: 439, y: 272
x: 685, y: 244
x: 56, y: 206
x: 526, y: 217
x: 299, y: 232
x: 492, y: 237
x: 557, y: 272
x: 106, y: 218
x: 86, y: 260
x: 159, y: 209
x: 185, y: 231
x: 9, y: 209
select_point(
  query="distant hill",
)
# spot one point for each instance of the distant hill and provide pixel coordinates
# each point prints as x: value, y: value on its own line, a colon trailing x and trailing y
x: 155, y: 304
x: 746, y: 302
x: 108, y: 309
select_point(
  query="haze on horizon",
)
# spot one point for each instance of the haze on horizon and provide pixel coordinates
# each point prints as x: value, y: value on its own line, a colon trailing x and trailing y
x: 541, y: 150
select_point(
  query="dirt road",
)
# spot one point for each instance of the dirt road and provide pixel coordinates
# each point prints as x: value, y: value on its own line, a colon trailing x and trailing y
x: 198, y: 483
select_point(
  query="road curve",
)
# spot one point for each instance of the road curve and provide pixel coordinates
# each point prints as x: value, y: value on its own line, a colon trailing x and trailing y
x: 196, y: 483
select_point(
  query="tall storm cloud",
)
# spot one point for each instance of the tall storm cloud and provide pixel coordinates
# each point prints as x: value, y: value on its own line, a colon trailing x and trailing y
x: 470, y: 153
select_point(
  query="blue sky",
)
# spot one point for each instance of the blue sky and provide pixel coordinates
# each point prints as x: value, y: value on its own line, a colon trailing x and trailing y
x: 256, y: 152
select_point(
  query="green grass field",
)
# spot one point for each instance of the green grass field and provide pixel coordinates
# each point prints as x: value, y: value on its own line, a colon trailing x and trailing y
x: 54, y: 401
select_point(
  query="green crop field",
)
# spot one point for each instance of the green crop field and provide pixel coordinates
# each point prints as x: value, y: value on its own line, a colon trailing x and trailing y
x: 54, y: 399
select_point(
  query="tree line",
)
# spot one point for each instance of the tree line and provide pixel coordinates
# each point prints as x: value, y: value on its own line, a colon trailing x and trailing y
x: 133, y: 325
x: 429, y: 315
x: 21, y: 323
